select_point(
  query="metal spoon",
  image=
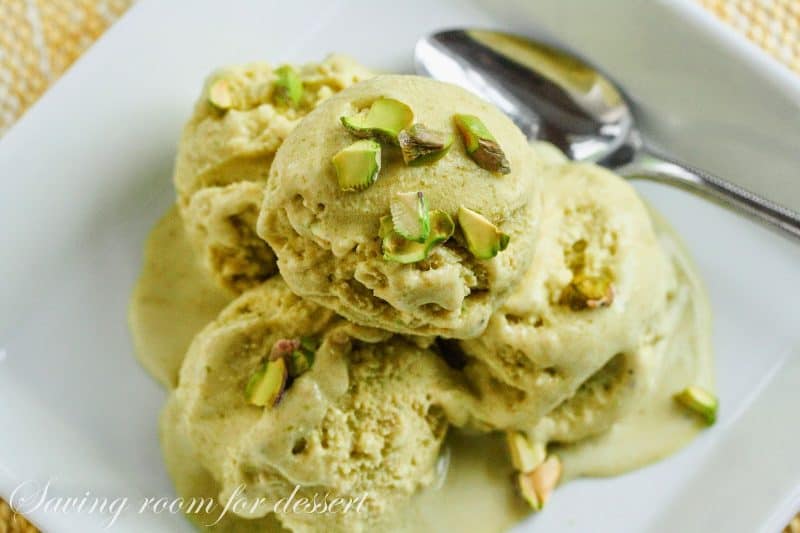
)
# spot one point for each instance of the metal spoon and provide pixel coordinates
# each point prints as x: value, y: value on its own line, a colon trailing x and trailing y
x: 554, y: 96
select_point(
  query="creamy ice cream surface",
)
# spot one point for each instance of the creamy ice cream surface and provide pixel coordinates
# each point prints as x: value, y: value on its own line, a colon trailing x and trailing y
x: 221, y: 149
x: 327, y: 239
x: 375, y: 304
x: 545, y: 341
x: 364, y: 423
x: 220, y: 221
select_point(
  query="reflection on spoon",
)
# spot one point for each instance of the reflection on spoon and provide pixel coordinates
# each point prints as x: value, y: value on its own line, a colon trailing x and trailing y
x: 557, y: 97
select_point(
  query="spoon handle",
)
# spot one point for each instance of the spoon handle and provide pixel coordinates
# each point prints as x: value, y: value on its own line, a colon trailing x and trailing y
x: 649, y: 166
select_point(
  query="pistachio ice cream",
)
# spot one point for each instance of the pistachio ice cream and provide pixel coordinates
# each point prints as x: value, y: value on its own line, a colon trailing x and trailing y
x: 220, y: 221
x: 327, y: 226
x: 616, y: 390
x: 376, y: 305
x: 599, y: 273
x: 363, y: 423
x: 240, y: 120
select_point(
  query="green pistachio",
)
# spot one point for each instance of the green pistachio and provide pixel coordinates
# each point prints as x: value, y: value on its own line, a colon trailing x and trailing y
x: 484, y: 240
x: 302, y: 358
x: 525, y: 456
x: 401, y: 250
x: 267, y: 384
x: 588, y: 292
x: 220, y: 95
x: 383, y: 121
x: 537, y: 485
x: 481, y: 144
x: 699, y: 401
x: 420, y: 145
x: 288, y: 88
x: 357, y: 165
x: 410, y: 216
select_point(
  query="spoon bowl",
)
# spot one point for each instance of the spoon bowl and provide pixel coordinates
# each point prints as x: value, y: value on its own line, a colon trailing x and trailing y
x: 555, y: 96
x: 548, y: 93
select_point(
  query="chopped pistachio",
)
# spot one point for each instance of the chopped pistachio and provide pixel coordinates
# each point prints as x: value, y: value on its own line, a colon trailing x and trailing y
x: 302, y: 358
x: 481, y: 145
x: 524, y: 456
x: 300, y: 361
x: 537, y: 486
x: 386, y: 226
x: 401, y: 250
x: 420, y: 145
x: 384, y: 120
x: 220, y: 95
x: 288, y: 88
x: 410, y: 216
x: 588, y: 292
x: 546, y: 477
x: 442, y: 228
x: 267, y: 384
x: 699, y: 401
x: 357, y: 165
x: 484, y: 240
x: 309, y: 343
x: 527, y: 490
x: 282, y: 348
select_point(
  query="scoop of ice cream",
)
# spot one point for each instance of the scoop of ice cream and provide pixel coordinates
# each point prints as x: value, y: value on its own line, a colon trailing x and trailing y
x: 327, y: 239
x: 363, y: 424
x: 219, y: 147
x: 220, y: 221
x: 222, y: 147
x: 598, y: 281
x: 628, y: 377
x: 194, y: 484
x: 626, y: 416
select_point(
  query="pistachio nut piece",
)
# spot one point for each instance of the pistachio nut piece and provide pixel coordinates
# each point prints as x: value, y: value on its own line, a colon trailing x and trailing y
x: 588, y: 292
x: 283, y: 348
x: 220, y: 95
x: 310, y: 344
x: 484, y: 240
x: 401, y: 250
x: 288, y: 87
x: 398, y: 249
x: 537, y: 486
x: 410, y: 217
x: 525, y: 456
x: 442, y: 228
x: 384, y: 120
x: 699, y: 401
x: 267, y: 384
x: 386, y: 226
x: 300, y: 362
x: 481, y: 145
x: 545, y: 478
x: 420, y: 145
x: 357, y: 165
x: 302, y: 358
x: 525, y: 488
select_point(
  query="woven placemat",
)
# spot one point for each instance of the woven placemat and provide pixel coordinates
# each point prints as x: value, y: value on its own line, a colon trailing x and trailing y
x: 774, y: 25
x: 11, y: 522
x: 40, y: 39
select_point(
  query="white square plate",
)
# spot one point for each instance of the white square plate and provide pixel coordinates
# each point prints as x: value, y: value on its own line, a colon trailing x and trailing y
x: 86, y: 173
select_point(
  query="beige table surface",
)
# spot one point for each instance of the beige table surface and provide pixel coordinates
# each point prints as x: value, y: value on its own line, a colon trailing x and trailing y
x: 40, y: 39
